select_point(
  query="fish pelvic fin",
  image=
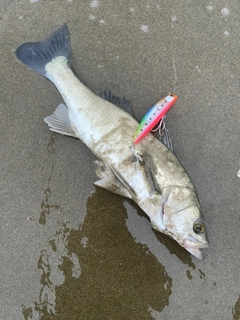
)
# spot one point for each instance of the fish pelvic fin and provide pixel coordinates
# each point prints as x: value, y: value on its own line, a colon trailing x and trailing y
x: 36, y: 55
x: 59, y: 121
x: 109, y: 181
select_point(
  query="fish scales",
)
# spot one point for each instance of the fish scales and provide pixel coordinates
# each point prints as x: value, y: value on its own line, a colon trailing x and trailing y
x: 98, y: 116
x: 149, y: 173
x: 101, y: 126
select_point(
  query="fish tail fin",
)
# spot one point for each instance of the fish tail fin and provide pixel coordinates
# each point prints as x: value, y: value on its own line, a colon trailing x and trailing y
x: 36, y: 55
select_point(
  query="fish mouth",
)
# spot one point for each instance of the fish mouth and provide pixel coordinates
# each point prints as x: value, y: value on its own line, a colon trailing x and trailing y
x: 192, y: 245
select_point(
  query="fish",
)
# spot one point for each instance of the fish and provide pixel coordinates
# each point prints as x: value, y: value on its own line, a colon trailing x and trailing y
x: 148, y: 172
x: 153, y: 116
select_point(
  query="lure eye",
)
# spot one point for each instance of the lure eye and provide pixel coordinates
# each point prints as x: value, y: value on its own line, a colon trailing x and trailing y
x: 198, y: 227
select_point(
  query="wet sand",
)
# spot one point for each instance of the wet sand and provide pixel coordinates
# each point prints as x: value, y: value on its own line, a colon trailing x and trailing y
x: 73, y: 251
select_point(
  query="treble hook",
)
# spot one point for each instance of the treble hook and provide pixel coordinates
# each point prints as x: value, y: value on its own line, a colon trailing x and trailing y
x: 160, y: 128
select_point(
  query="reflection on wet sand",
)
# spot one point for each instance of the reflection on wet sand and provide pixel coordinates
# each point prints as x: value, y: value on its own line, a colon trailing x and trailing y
x: 236, y: 310
x: 116, y: 278
x: 172, y: 246
x: 49, y: 263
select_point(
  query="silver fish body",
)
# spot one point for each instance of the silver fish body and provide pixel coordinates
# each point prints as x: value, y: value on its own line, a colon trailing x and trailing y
x: 157, y: 183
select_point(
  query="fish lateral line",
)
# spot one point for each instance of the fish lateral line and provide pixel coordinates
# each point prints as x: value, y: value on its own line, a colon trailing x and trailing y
x: 146, y: 182
x: 153, y: 116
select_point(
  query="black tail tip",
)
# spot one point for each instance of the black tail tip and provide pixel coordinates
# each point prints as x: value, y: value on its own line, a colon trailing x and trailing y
x: 37, y: 54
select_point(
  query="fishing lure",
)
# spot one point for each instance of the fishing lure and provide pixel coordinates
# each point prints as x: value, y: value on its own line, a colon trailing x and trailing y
x: 153, y: 116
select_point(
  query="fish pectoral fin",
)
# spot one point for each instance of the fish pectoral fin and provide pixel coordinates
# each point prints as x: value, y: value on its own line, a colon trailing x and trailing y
x: 59, y: 121
x: 109, y: 181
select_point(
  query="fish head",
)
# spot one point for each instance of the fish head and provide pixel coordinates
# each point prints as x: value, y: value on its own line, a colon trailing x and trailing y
x: 183, y: 221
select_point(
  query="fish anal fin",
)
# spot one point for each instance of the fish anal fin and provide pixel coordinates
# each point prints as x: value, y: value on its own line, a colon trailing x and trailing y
x: 109, y: 181
x: 59, y: 121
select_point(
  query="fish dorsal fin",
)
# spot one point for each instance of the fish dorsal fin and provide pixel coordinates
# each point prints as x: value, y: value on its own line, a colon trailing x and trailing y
x: 59, y: 121
x: 166, y: 140
x: 164, y: 137
x: 122, y: 103
x: 126, y: 105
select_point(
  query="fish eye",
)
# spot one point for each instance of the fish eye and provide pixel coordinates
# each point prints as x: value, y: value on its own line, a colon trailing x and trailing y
x: 198, y: 227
